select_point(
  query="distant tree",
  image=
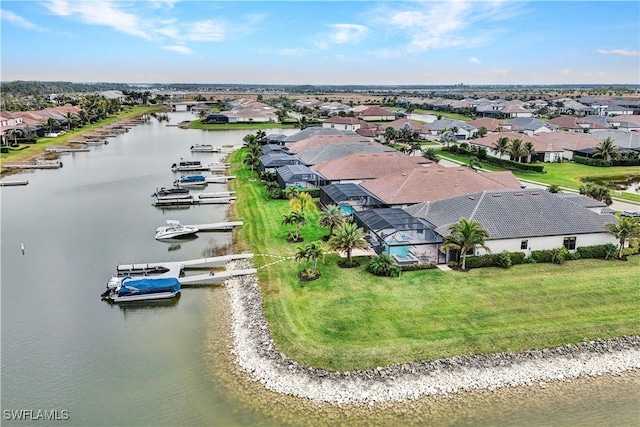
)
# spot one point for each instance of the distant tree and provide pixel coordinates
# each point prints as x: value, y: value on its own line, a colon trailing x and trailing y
x: 482, y: 131
x: 501, y: 146
x: 390, y: 135
x: 516, y: 150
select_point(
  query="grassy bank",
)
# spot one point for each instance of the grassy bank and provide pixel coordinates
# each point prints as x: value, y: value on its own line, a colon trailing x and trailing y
x: 350, y: 319
x: 31, y: 151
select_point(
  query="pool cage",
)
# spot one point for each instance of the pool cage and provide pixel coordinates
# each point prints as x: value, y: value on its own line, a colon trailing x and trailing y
x: 407, y: 239
x: 350, y: 197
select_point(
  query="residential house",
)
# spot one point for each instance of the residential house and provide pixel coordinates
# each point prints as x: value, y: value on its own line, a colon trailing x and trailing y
x: 464, y: 129
x: 328, y: 152
x: 377, y: 114
x: 544, y: 152
x: 570, y: 142
x: 520, y: 220
x: 530, y: 126
x: 322, y: 140
x: 272, y: 161
x: 413, y: 125
x: 574, y: 124
x: 490, y: 124
x: 315, y: 130
x: 364, y: 166
x: 344, y: 123
x: 405, y: 188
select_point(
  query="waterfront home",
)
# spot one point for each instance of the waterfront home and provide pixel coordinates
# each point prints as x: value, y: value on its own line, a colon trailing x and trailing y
x: 270, y: 162
x: 364, y: 166
x: 328, y: 152
x: 418, y: 185
x: 521, y: 220
x: 323, y: 140
x: 315, y: 131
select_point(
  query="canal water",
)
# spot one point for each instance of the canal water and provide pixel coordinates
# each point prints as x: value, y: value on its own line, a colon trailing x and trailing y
x: 96, y: 364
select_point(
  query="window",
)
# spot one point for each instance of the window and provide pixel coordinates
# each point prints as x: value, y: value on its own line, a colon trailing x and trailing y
x: 569, y: 243
x: 524, y: 244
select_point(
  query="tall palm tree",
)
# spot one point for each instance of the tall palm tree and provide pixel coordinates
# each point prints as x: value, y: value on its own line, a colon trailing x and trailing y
x: 516, y: 150
x: 415, y: 146
x: 607, y: 150
x: 296, y: 218
x: 302, y: 201
x: 390, y: 135
x: 501, y: 146
x: 291, y: 192
x: 464, y: 236
x: 347, y: 237
x: 251, y: 159
x: 626, y: 228
x: 51, y: 124
x: 431, y: 154
x: 529, y: 151
x: 331, y: 216
x: 70, y: 118
x: 474, y: 163
x: 314, y: 251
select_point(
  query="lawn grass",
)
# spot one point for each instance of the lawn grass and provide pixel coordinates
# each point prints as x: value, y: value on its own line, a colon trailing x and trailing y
x: 350, y: 319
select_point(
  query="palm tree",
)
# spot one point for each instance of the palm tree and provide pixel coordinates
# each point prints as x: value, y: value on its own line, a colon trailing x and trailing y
x: 596, y: 191
x: 331, y: 216
x: 294, y: 218
x: 464, y: 236
x: 249, y: 140
x: 474, y: 163
x: 529, y: 151
x: 384, y: 265
x: 607, y: 150
x: 390, y: 135
x: 482, y: 131
x: 70, y: 118
x: 626, y: 228
x: 516, y: 150
x: 291, y: 192
x: 415, y: 146
x: 314, y: 251
x: 51, y: 124
x: 302, y: 201
x: 501, y: 146
x: 251, y: 159
x: 431, y: 154
x: 347, y: 237
x: 448, y: 136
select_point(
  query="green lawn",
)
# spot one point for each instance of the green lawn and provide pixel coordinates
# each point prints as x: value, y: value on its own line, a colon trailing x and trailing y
x: 28, y: 151
x: 350, y: 319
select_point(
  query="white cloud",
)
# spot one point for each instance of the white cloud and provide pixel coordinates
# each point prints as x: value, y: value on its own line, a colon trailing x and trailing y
x: 9, y: 16
x: 431, y: 25
x: 101, y: 13
x: 565, y: 71
x: 341, y: 34
x: 621, y: 52
x: 114, y: 15
x: 474, y: 60
x: 178, y: 48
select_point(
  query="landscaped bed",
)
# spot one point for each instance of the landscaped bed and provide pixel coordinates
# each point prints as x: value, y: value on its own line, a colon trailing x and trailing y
x: 351, y: 319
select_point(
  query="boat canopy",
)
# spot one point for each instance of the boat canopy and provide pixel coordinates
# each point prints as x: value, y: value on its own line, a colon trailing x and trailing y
x: 192, y: 178
x: 141, y: 286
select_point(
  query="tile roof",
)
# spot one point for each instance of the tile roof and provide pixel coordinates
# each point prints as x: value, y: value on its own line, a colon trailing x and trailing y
x: 363, y: 166
x: 538, y: 144
x: 400, y: 123
x: 514, y: 214
x: 428, y: 184
x: 324, y: 153
x: 321, y: 140
x: 376, y: 111
x: 490, y: 124
x: 568, y: 140
x: 344, y: 120
x: 315, y: 130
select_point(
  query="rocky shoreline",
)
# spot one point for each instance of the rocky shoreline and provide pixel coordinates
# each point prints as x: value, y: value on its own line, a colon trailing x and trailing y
x: 256, y: 354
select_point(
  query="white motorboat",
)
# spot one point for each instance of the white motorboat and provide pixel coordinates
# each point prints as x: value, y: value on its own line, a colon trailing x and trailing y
x: 125, y: 289
x: 174, y: 229
x: 188, y: 165
x: 181, y: 193
x: 95, y: 142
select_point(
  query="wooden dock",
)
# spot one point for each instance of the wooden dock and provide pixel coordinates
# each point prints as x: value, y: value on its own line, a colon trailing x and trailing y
x: 217, y: 226
x: 38, y: 164
x: 192, y: 201
x: 66, y: 149
x: 213, y: 278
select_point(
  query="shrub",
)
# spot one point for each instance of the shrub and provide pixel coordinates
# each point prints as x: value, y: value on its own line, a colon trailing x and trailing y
x: 503, y: 259
x: 598, y: 251
x: 453, y: 149
x: 384, y: 265
x: 417, y: 267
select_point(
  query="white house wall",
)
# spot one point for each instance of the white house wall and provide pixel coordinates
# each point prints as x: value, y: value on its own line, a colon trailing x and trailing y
x: 545, y: 243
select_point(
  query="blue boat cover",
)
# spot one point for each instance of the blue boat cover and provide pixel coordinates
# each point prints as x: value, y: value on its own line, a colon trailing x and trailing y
x: 192, y: 178
x: 141, y: 286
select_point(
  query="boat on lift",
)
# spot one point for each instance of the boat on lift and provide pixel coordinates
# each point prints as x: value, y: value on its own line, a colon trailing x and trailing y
x: 189, y: 165
x: 174, y: 229
x: 190, y: 181
x: 124, y: 289
x: 172, y: 192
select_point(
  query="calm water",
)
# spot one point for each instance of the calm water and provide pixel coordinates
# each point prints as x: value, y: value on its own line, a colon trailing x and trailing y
x: 65, y: 349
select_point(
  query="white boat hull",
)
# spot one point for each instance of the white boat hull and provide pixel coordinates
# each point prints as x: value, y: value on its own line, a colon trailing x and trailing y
x: 143, y: 297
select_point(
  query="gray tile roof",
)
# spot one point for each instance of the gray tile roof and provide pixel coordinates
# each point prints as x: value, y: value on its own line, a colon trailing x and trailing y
x: 514, y: 214
x: 335, y: 151
x: 312, y: 131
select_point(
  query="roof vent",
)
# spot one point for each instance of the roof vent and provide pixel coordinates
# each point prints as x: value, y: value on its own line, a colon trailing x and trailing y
x: 518, y: 194
x: 497, y: 195
x: 471, y: 198
x: 534, y: 193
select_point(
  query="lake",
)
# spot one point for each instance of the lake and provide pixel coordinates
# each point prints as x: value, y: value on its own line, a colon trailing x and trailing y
x: 63, y: 349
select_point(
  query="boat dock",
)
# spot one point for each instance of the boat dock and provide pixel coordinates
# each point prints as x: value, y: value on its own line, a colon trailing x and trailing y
x: 217, y: 226
x: 222, y: 179
x: 215, y: 194
x: 194, y: 200
x: 38, y: 164
x: 176, y: 269
x: 66, y: 149
x: 16, y: 183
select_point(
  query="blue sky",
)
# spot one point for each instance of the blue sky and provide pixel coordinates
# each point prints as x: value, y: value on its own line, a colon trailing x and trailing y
x: 329, y: 42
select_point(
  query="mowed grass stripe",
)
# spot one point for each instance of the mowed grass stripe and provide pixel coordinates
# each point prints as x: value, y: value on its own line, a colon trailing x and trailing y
x: 350, y: 319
